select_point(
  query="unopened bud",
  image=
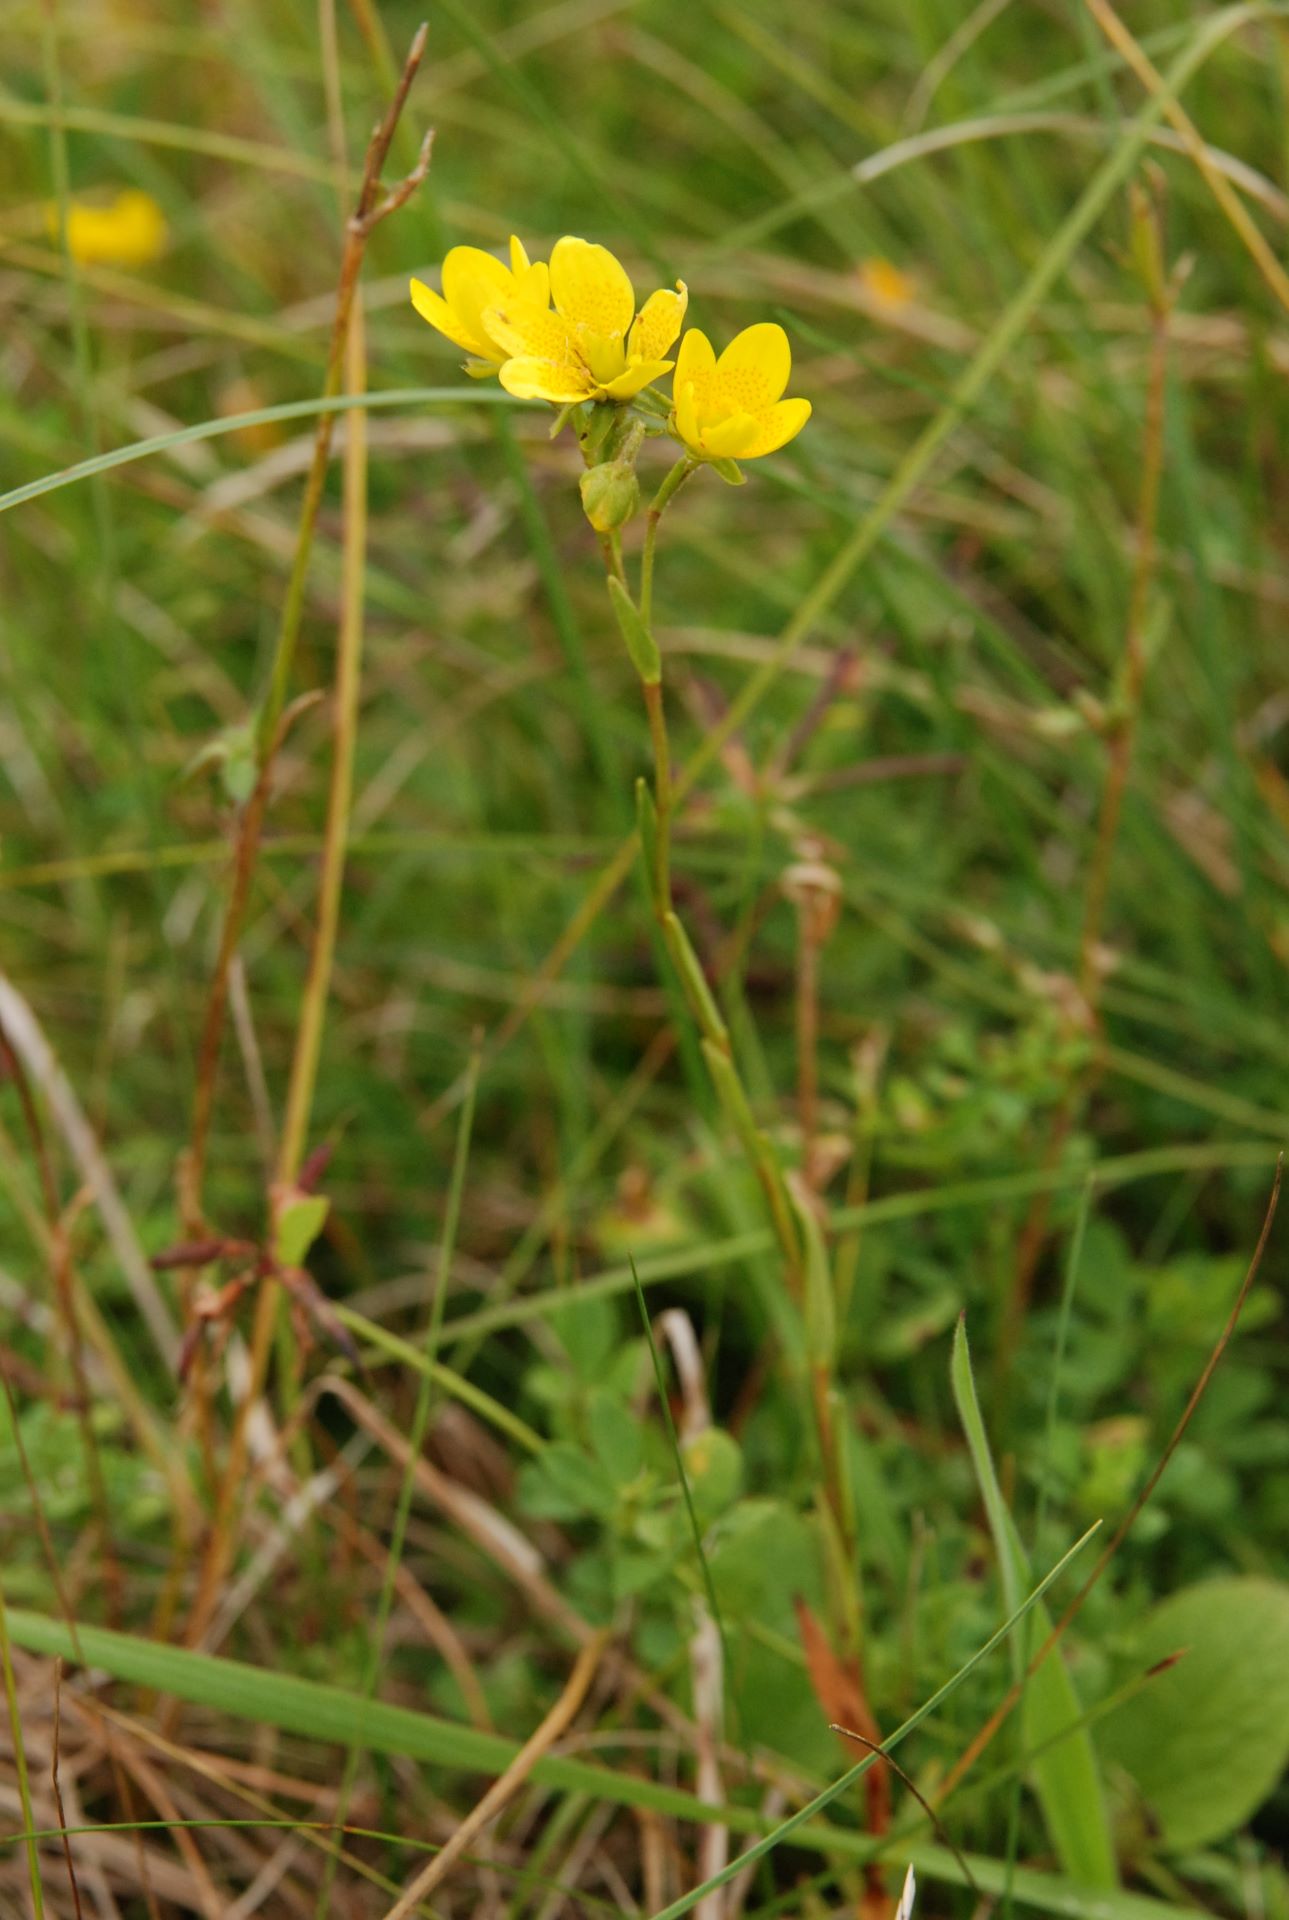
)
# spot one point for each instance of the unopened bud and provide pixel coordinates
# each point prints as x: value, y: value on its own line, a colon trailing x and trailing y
x: 610, y: 495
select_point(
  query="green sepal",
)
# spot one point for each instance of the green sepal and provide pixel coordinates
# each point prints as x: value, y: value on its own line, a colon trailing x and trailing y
x: 595, y: 431
x: 641, y: 644
x: 730, y: 471
x: 650, y: 402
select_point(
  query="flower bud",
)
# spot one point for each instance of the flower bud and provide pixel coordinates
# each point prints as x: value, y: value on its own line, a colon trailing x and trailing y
x: 610, y: 495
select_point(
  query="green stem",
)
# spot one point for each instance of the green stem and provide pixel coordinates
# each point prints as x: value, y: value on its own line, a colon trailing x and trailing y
x: 674, y: 481
x: 661, y: 790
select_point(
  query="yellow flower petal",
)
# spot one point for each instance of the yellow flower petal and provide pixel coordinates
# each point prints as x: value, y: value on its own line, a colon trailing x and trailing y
x: 434, y: 308
x: 753, y: 370
x: 473, y: 280
x: 686, y: 410
x: 775, y: 426
x: 530, y: 378
x: 518, y: 256
x: 640, y: 374
x: 533, y: 285
x: 658, y: 322
x: 590, y: 287
x: 695, y: 360
x: 729, y: 439
x: 535, y: 333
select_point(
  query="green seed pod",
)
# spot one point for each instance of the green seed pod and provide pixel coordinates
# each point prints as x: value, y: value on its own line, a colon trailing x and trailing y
x: 610, y: 495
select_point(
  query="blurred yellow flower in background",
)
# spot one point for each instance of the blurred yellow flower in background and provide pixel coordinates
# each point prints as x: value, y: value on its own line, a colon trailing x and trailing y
x: 594, y: 345
x: 732, y: 408
x: 886, y: 284
x: 474, y: 281
x: 129, y: 230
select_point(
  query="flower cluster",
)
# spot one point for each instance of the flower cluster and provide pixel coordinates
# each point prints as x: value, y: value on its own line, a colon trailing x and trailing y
x: 569, y: 332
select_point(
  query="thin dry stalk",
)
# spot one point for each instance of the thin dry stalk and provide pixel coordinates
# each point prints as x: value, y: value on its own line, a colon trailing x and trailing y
x: 373, y: 206
x: 58, y: 1790
x: 504, y: 1789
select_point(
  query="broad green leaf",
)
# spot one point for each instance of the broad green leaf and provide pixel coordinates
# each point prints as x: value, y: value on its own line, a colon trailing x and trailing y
x: 1065, y: 1775
x: 1207, y: 1742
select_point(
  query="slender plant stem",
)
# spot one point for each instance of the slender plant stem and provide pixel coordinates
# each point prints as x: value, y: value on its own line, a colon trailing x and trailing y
x: 1125, y: 715
x: 373, y: 205
x: 653, y: 699
x: 671, y: 485
x: 308, y: 1042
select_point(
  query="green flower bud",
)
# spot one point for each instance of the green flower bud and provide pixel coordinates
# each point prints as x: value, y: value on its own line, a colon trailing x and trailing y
x: 610, y: 495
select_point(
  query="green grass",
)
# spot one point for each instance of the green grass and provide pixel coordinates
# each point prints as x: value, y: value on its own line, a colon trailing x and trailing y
x: 903, y: 650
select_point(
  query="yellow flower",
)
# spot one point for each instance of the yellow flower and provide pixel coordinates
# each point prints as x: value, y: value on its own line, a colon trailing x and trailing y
x: 594, y: 345
x: 731, y: 409
x: 127, y: 231
x: 885, y: 284
x: 472, y: 281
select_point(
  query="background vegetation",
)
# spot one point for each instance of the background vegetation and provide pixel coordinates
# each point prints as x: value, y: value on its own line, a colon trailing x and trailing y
x: 917, y: 652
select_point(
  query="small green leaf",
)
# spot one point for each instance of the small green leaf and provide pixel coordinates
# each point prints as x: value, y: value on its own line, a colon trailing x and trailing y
x: 640, y: 643
x: 298, y: 1221
x: 730, y: 471
x: 616, y: 1436
x: 587, y: 1329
